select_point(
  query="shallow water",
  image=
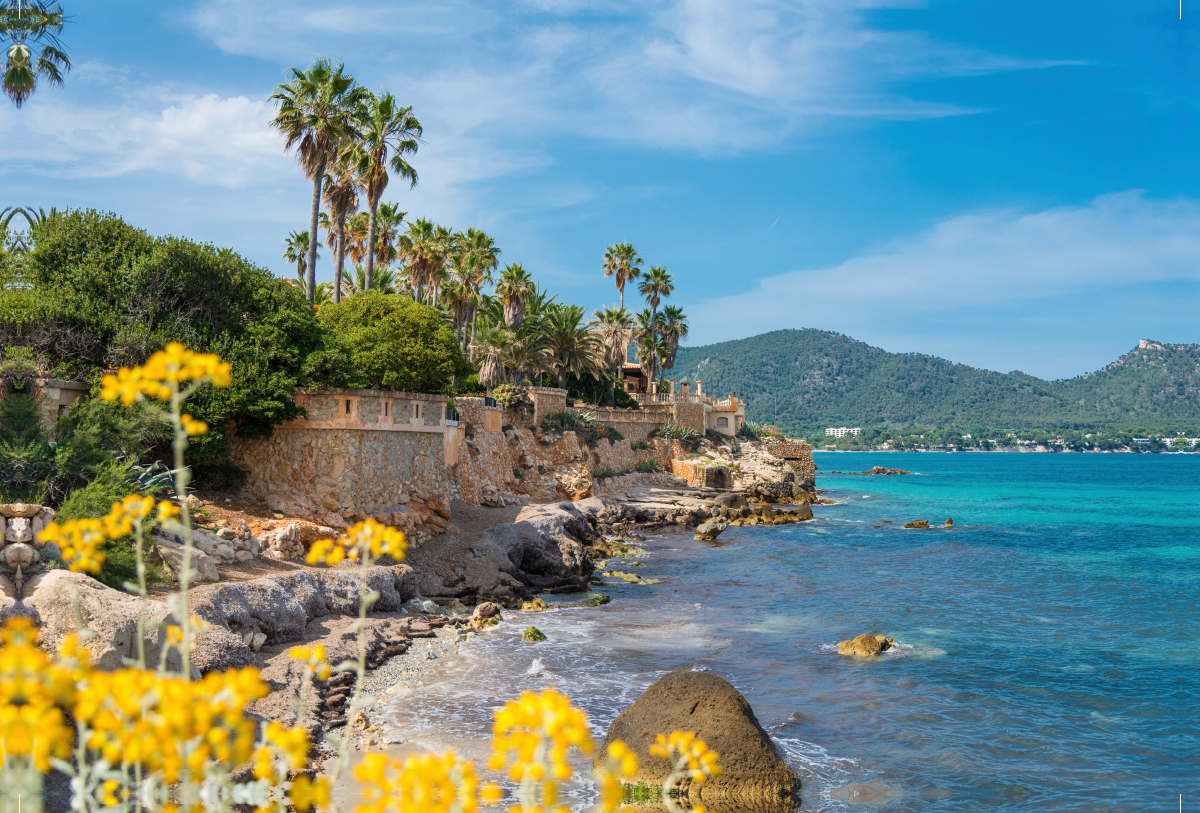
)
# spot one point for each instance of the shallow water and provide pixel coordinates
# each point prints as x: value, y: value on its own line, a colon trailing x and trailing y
x: 1048, y: 642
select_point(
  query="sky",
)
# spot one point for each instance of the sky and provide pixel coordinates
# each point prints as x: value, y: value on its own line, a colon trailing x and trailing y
x: 1010, y: 185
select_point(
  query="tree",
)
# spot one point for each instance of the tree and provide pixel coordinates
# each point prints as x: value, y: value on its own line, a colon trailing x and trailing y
x: 425, y: 247
x: 295, y: 250
x: 477, y: 244
x: 621, y: 262
x: 315, y: 115
x: 651, y: 348
x: 394, y: 343
x: 355, y: 282
x: 492, y: 342
x: 514, y: 287
x: 656, y: 286
x: 571, y: 346
x: 31, y: 28
x: 341, y: 196
x: 383, y: 129
x: 614, y: 325
x: 674, y: 328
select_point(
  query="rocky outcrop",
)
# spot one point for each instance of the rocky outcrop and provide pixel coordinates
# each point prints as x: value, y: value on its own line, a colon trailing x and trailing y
x: 865, y: 646
x: 885, y: 471
x: 168, y: 552
x: 753, y: 774
x: 764, y: 513
x: 917, y: 523
x: 710, y: 529
x: 112, y: 615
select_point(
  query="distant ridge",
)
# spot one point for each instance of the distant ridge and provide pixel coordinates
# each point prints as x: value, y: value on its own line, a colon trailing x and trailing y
x: 823, y: 379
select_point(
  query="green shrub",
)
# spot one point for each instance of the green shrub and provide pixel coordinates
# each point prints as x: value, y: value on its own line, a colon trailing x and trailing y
x: 641, y: 445
x: 674, y: 431
x: 569, y: 419
x: 507, y: 395
x: 647, y: 466
x: 601, y: 474
x: 751, y: 430
x: 111, y: 484
x: 395, y: 343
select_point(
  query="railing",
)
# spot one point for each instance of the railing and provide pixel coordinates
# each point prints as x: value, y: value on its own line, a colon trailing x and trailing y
x: 667, y: 398
x: 723, y: 404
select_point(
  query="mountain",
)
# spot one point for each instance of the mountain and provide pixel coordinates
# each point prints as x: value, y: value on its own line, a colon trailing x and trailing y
x: 816, y: 379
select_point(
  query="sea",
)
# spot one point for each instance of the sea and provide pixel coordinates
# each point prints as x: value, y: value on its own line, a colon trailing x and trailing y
x: 1046, y: 652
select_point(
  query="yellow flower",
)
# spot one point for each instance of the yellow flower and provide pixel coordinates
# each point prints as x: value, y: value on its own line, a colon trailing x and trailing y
x: 306, y: 793
x: 80, y: 541
x: 33, y: 693
x: 162, y: 374
x: 689, y: 753
x: 314, y: 659
x: 193, y: 426
x: 369, y: 537
x: 524, y: 724
x: 423, y: 784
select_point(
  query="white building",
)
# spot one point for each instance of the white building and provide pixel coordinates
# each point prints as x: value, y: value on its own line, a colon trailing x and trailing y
x: 842, y: 431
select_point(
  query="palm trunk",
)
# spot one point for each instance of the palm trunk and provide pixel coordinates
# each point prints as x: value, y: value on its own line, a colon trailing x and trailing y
x: 371, y: 244
x: 621, y: 291
x: 311, y: 281
x: 474, y: 327
x: 562, y: 379
x: 341, y: 259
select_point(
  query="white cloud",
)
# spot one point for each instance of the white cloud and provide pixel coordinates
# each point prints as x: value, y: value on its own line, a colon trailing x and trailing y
x: 212, y: 140
x: 968, y: 281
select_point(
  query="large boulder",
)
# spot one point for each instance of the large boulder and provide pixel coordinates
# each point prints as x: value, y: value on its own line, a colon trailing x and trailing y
x: 112, y: 615
x: 171, y: 554
x: 753, y: 774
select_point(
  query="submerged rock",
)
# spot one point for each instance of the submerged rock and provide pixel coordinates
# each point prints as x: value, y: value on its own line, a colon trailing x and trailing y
x: 753, y: 774
x: 865, y: 646
x: 917, y: 523
x: 538, y: 605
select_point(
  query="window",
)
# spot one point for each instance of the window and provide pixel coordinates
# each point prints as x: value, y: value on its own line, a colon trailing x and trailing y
x: 722, y: 423
x: 347, y: 406
x: 385, y: 406
x: 417, y: 410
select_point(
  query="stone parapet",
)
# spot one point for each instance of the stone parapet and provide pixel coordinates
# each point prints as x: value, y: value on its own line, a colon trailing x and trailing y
x: 475, y: 411
x: 377, y: 410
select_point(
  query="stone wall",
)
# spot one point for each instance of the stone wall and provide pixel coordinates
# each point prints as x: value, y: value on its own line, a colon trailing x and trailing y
x: 482, y: 418
x: 633, y: 424
x: 546, y: 400
x: 686, y: 414
x: 797, y: 453
x: 702, y: 473
x: 344, y: 473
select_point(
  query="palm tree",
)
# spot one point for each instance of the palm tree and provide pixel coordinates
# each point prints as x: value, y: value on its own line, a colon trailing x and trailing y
x: 674, y: 328
x: 315, y: 115
x: 527, y: 350
x: 477, y: 244
x: 514, y: 287
x: 621, y: 261
x: 492, y: 342
x: 613, y: 326
x: 355, y: 282
x: 388, y: 220
x: 341, y: 195
x: 656, y: 286
x: 572, y: 347
x: 295, y: 250
x: 383, y: 128
x: 32, y: 27
x: 651, y: 348
x: 425, y: 247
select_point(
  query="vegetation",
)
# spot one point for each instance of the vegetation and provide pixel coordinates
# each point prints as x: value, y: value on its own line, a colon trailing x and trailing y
x: 394, y: 343
x: 674, y: 431
x: 817, y: 379
x: 29, y: 32
x: 647, y: 466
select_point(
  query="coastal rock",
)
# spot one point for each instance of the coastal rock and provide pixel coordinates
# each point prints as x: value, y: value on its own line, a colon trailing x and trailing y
x: 917, y: 523
x: 731, y: 500
x: 885, y: 471
x: 753, y: 774
x: 486, y: 615
x: 171, y: 555
x: 949, y: 523
x: 865, y: 646
x: 709, y: 530
x: 110, y: 614
x: 536, y: 606
x: 533, y: 635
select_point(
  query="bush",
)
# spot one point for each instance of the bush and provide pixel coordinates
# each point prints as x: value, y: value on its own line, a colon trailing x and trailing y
x: 647, y: 466
x: 112, y: 484
x: 674, y: 431
x: 593, y: 389
x: 569, y: 419
x: 395, y: 343
x: 98, y: 292
x: 507, y: 395
x: 641, y: 445
x: 601, y: 474
x: 751, y: 430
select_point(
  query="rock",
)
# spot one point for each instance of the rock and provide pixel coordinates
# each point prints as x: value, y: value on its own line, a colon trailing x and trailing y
x: 359, y: 721
x: 885, y: 470
x: 731, y: 500
x: 917, y: 523
x: 596, y: 600
x: 533, y: 634
x: 456, y: 607
x: 243, y: 556
x: 536, y: 606
x: 865, y: 646
x: 256, y: 643
x: 170, y: 554
x: 753, y: 774
x: 110, y: 614
x: 486, y: 615
x: 219, y: 650
x: 710, y: 530
x: 227, y: 534
x: 18, y: 554
x: 193, y: 503
x: 949, y: 523
x: 224, y: 553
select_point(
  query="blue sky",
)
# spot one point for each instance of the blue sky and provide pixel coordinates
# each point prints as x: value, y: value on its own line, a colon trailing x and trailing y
x: 1011, y: 185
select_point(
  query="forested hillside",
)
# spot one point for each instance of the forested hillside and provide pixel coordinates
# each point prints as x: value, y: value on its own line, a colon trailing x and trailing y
x: 820, y: 379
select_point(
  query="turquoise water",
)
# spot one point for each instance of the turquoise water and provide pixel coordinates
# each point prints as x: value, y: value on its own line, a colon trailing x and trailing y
x: 1048, y: 642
